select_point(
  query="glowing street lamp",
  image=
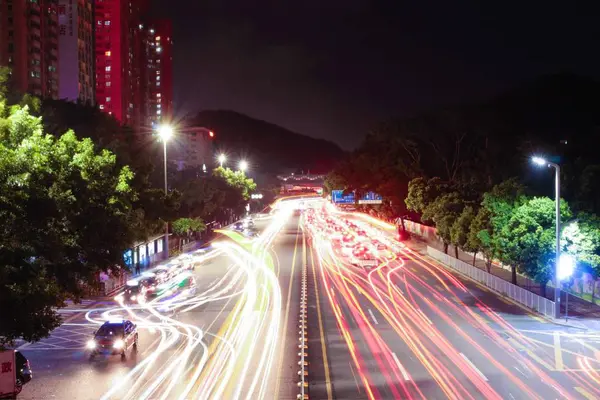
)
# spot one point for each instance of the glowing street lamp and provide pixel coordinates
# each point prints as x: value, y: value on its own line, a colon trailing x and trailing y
x: 541, y: 162
x: 222, y: 158
x: 243, y: 165
x: 566, y: 267
x: 165, y: 132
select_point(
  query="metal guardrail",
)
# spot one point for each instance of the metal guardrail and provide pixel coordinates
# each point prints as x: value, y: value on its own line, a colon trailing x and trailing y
x: 531, y: 300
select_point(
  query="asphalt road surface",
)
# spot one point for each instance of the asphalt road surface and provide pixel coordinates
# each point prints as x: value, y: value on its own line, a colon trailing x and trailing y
x: 392, y: 325
x: 405, y: 327
x: 231, y: 338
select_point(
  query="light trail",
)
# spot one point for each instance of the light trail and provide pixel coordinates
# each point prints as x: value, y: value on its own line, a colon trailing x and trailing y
x: 188, y: 361
x: 422, y: 314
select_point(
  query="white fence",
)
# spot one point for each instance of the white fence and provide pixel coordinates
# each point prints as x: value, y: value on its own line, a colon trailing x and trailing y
x: 531, y: 300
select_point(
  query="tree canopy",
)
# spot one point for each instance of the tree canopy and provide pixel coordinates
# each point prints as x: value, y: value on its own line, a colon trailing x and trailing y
x: 66, y: 213
x: 237, y: 180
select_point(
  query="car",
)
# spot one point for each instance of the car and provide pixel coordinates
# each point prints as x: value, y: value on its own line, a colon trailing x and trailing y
x: 163, y: 273
x: 187, y: 260
x: 238, y: 226
x: 365, y: 260
x: 359, y: 251
x: 198, y: 255
x: 149, y: 284
x: 134, y: 292
x: 251, y: 233
x: 378, y: 245
x: 114, y: 338
x: 248, y: 223
x: 24, y: 374
x: 176, y: 267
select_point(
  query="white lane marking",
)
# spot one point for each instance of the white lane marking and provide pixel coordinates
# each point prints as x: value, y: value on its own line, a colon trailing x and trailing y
x: 474, y: 367
x: 373, y: 317
x: 402, y: 370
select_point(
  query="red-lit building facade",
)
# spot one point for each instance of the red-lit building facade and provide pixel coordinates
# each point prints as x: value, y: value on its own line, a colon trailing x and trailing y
x: 117, y: 48
x: 29, y: 45
x: 133, y: 64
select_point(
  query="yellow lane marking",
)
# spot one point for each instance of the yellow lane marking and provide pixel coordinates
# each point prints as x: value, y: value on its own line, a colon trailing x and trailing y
x: 534, y: 356
x: 287, y: 313
x: 320, y: 318
x: 558, y: 356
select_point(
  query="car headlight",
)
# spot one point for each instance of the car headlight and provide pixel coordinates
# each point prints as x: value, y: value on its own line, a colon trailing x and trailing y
x: 119, y: 344
x: 133, y: 297
x: 91, y: 344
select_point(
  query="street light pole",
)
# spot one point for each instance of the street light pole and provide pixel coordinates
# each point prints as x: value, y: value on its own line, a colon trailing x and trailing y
x: 541, y: 161
x: 165, y: 132
x: 166, y: 194
x: 557, y: 257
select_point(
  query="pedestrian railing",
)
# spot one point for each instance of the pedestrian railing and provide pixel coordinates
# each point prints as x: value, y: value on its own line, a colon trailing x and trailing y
x: 531, y: 300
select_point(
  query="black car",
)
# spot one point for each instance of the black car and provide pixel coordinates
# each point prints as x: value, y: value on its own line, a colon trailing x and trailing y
x: 238, y: 226
x: 24, y: 372
x: 114, y: 337
x: 134, y: 292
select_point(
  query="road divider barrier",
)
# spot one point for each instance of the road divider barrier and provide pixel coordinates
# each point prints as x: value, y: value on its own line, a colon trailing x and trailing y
x: 303, y: 339
x: 519, y: 295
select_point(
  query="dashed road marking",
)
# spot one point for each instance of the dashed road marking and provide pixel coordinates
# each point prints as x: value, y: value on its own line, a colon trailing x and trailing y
x: 474, y: 367
x: 402, y: 370
x: 373, y: 317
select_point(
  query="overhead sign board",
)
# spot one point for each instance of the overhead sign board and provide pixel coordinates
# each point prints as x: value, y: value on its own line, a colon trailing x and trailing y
x: 371, y: 198
x: 338, y: 197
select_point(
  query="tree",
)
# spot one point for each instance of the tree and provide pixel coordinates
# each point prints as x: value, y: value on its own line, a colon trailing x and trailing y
x: 201, y: 197
x: 581, y: 238
x: 334, y: 180
x: 496, y: 208
x: 479, y: 237
x: 421, y: 194
x: 186, y: 227
x: 527, y: 238
x: 460, y: 230
x: 65, y: 212
x: 236, y: 179
x: 444, y: 211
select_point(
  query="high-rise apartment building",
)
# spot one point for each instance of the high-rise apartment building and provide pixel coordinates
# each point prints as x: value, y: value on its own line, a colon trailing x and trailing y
x: 29, y: 45
x: 117, y: 48
x: 76, y: 50
x: 133, y: 64
x: 159, y: 73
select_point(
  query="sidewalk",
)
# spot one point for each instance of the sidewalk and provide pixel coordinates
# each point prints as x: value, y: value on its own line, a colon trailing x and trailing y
x: 582, y: 314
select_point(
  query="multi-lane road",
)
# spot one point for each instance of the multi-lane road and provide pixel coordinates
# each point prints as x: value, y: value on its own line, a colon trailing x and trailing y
x: 403, y: 327
x: 229, y: 339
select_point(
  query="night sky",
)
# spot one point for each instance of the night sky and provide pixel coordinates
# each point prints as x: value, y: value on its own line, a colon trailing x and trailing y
x: 333, y: 69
